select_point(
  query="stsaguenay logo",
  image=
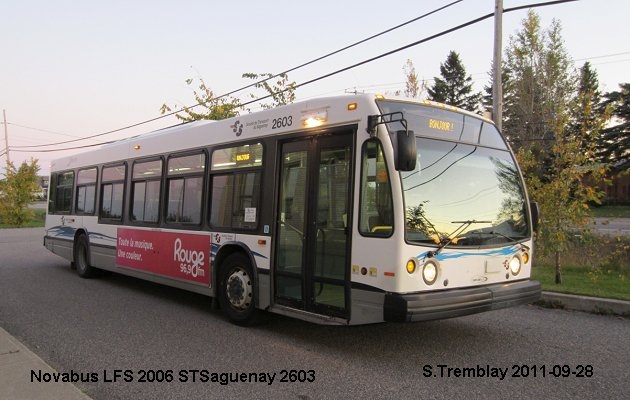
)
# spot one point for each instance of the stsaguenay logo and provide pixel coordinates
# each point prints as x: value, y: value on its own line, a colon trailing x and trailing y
x: 237, y: 128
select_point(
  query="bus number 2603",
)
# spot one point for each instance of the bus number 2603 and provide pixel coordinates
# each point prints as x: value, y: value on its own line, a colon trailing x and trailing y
x: 281, y: 122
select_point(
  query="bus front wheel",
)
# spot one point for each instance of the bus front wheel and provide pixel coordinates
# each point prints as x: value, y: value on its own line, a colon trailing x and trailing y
x: 236, y: 290
x: 82, y: 257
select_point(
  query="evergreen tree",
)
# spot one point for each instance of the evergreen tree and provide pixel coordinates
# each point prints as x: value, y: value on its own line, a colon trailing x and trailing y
x: 614, y: 146
x: 588, y: 97
x: 487, y: 94
x: 454, y: 87
x: 588, y: 118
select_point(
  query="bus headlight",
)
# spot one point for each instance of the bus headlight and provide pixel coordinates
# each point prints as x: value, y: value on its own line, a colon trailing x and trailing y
x: 515, y: 265
x: 430, y: 272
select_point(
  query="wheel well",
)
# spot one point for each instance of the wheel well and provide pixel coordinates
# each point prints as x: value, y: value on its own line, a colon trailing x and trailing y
x: 227, y: 250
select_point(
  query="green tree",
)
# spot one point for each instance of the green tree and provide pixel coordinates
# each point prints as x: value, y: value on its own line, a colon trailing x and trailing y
x: 561, y: 194
x: 413, y: 86
x: 281, y: 91
x: 212, y: 107
x: 17, y: 191
x: 487, y: 100
x: 588, y: 116
x: 551, y: 125
x: 521, y: 86
x: 614, y: 145
x: 454, y: 87
x: 538, y: 86
x: 586, y: 110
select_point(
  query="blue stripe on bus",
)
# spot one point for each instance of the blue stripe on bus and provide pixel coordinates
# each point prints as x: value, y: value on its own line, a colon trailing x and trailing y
x: 505, y: 251
x: 61, y: 231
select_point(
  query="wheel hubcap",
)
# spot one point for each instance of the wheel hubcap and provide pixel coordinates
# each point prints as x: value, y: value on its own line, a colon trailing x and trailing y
x: 239, y: 289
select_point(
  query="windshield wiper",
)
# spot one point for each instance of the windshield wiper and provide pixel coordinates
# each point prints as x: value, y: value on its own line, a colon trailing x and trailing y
x: 438, y: 237
x: 456, y: 232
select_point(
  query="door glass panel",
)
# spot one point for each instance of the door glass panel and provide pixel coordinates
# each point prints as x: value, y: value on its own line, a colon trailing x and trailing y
x: 291, y: 229
x: 332, y: 216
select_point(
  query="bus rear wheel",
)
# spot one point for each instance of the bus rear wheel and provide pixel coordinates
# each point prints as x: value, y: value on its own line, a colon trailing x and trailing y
x: 236, y: 290
x: 82, y: 257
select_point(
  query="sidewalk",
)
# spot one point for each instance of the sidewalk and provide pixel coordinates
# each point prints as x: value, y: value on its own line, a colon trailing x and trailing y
x: 16, y: 364
x: 585, y: 303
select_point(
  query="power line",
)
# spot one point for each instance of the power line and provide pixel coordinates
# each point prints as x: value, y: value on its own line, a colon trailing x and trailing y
x: 458, y: 27
x: 604, y: 56
x: 15, y: 148
x: 255, y: 83
x: 426, y: 39
x: 43, y: 130
x: 64, y: 149
x: 611, y: 62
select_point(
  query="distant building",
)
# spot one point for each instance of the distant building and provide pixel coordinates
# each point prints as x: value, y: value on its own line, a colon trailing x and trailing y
x: 619, y: 191
x: 43, y: 186
x: 616, y: 188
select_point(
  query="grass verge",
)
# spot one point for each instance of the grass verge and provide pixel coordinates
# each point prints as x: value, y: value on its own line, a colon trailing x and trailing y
x: 597, y: 282
x: 593, y: 265
x: 611, y: 211
x: 39, y: 218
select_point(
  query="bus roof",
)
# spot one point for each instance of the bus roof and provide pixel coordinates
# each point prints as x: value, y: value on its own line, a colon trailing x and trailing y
x: 187, y: 136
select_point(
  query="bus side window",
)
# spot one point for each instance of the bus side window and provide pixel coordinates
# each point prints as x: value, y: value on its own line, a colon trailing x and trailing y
x: 376, y: 209
x: 232, y: 195
x: 60, y: 199
x: 184, y: 187
x: 112, y: 193
x: 145, y: 191
x: 86, y: 191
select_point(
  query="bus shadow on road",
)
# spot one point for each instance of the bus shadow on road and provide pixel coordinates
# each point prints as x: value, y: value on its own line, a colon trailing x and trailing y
x: 439, y: 340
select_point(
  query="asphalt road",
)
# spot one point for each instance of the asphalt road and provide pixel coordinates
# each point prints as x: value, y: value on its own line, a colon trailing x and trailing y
x: 611, y: 226
x: 97, y: 327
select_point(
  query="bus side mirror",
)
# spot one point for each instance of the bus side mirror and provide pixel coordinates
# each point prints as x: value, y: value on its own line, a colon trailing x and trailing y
x: 405, y: 151
x: 535, y: 210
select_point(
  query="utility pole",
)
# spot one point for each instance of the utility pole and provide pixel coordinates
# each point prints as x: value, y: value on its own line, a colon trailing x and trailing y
x: 497, y: 83
x: 6, y: 134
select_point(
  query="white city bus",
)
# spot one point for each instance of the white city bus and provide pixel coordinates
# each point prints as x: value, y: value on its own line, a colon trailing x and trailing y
x: 341, y: 210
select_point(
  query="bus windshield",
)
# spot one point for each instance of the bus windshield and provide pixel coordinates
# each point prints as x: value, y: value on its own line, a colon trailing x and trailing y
x: 466, y: 189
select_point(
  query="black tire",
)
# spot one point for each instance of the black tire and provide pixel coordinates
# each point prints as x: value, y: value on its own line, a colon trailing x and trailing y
x: 82, y: 258
x: 236, y: 290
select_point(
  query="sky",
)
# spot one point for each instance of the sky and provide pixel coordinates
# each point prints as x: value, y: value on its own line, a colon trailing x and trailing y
x: 71, y: 69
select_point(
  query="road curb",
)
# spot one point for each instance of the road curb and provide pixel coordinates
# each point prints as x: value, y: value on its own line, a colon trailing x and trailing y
x: 18, y: 363
x: 585, y: 303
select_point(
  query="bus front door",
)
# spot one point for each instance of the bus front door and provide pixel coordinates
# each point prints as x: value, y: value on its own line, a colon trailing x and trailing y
x: 311, y: 269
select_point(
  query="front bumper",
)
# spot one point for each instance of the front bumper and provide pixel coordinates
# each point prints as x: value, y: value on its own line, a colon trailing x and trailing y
x: 458, y: 302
